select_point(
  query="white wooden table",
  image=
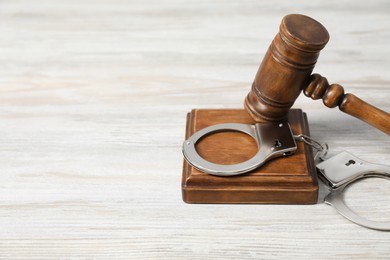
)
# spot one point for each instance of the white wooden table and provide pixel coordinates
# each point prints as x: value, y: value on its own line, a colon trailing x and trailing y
x: 93, y: 99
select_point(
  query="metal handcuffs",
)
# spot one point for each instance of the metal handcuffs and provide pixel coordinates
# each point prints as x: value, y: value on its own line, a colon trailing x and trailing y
x: 340, y: 171
x: 275, y: 140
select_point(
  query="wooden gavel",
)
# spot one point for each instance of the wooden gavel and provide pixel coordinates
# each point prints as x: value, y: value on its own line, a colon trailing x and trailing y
x: 286, y: 71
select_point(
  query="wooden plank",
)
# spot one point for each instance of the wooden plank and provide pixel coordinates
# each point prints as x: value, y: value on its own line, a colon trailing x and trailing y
x: 93, y: 99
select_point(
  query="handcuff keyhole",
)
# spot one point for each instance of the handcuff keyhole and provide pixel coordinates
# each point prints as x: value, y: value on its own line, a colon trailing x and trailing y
x: 350, y: 162
x: 277, y: 143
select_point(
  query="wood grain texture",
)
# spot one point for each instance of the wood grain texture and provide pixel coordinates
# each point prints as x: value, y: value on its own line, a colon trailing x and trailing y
x: 333, y: 96
x: 286, y: 68
x: 93, y: 101
x: 287, y: 180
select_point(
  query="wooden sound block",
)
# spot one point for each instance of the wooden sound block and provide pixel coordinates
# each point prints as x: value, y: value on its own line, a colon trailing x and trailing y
x: 284, y: 180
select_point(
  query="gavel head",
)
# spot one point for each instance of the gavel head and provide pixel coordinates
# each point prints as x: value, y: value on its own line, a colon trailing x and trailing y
x: 286, y: 68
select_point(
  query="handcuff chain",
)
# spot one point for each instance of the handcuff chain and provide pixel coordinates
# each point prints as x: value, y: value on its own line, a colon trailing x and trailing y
x: 322, y: 149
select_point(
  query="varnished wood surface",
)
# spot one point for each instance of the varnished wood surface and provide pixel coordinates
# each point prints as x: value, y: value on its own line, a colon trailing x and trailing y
x: 93, y: 102
x: 287, y: 180
x: 286, y: 67
x: 333, y: 95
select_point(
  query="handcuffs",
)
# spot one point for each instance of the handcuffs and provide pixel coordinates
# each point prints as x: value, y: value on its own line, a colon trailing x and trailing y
x: 276, y: 140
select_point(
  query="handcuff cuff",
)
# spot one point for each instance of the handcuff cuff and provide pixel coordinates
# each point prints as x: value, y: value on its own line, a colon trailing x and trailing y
x: 277, y: 140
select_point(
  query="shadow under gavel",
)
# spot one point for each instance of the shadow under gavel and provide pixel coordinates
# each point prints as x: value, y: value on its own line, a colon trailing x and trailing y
x: 286, y: 70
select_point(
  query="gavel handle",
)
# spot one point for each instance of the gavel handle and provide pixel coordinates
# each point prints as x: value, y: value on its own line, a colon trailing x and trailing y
x: 333, y: 95
x: 354, y: 106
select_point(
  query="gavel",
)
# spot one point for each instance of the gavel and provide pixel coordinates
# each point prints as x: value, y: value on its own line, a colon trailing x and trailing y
x: 286, y: 70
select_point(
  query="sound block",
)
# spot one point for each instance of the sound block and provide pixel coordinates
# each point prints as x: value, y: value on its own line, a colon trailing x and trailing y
x: 285, y: 180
